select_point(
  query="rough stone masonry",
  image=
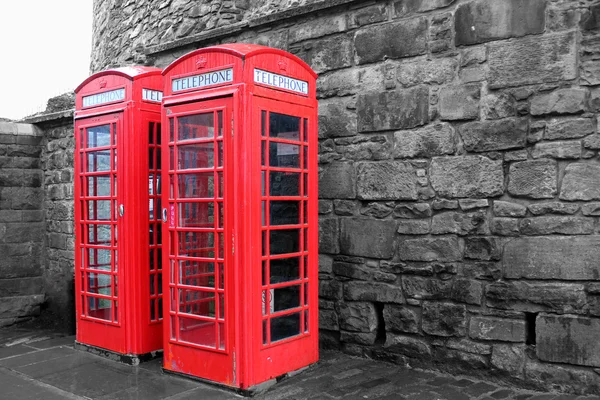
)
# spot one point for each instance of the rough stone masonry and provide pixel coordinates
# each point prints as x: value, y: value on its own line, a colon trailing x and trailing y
x: 459, y: 170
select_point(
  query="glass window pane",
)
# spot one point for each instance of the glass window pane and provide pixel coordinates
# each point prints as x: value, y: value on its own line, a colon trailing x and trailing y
x: 99, y: 185
x: 99, y: 234
x: 197, y: 302
x: 98, y: 136
x: 200, y: 186
x: 222, y: 336
x: 220, y: 122
x: 285, y: 212
x: 98, y: 161
x: 99, y: 259
x: 284, y: 183
x: 196, y: 215
x: 198, y: 332
x: 99, y: 283
x: 197, y: 244
x: 197, y: 273
x: 286, y: 298
x: 284, y: 155
x: 285, y: 326
x: 99, y: 210
x: 285, y: 241
x: 99, y: 308
x: 284, y: 126
x: 197, y: 155
x: 284, y: 270
x: 197, y: 126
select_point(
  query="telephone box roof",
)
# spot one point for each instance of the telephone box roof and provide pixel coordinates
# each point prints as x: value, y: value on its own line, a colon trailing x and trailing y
x: 243, y: 51
x: 131, y: 73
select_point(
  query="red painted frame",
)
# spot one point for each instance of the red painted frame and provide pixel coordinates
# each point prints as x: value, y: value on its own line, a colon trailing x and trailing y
x: 135, y: 285
x: 249, y: 362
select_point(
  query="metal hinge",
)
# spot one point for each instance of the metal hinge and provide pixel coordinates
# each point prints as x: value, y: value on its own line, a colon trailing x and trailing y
x: 232, y: 243
x: 231, y: 125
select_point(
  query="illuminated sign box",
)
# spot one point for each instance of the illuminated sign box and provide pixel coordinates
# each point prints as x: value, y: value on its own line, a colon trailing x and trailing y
x: 105, y: 97
x: 280, y: 81
x: 202, y: 80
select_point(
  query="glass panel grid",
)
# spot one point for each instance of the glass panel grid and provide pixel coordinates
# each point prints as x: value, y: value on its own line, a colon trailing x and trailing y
x: 155, y: 222
x: 284, y: 226
x: 196, y: 230
x: 98, y: 227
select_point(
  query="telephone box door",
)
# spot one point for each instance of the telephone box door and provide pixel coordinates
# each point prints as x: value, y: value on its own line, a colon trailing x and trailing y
x: 198, y: 234
x: 97, y: 212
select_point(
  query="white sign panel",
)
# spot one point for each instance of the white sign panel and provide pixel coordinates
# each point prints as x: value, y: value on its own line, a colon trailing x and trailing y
x: 105, y: 97
x: 206, y: 79
x: 152, y: 95
x: 280, y: 81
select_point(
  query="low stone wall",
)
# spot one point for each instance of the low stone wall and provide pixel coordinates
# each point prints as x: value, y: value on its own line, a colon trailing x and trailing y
x: 21, y: 223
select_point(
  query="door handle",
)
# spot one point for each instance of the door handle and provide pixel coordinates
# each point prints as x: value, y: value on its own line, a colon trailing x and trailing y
x: 164, y: 216
x: 121, y: 210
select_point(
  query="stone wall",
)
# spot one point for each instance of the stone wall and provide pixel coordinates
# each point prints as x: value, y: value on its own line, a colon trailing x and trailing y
x: 21, y: 223
x: 459, y: 170
x: 57, y: 164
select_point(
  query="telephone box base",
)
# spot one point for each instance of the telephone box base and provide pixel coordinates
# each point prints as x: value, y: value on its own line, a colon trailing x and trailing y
x: 129, y: 359
x: 249, y: 392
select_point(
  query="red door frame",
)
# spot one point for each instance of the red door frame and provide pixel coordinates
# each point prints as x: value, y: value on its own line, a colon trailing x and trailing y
x: 94, y: 331
x: 279, y: 357
x: 211, y: 363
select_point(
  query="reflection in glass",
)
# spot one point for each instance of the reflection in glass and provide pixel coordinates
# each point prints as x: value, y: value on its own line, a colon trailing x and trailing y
x: 284, y: 126
x: 196, y: 244
x: 284, y: 183
x: 197, y: 302
x: 285, y: 241
x: 99, y: 283
x: 98, y: 136
x: 285, y: 212
x: 99, y: 259
x: 284, y: 155
x: 284, y: 270
x: 285, y: 326
x: 99, y: 210
x: 200, y: 185
x: 197, y: 155
x: 197, y: 332
x: 99, y: 185
x: 197, y: 126
x: 196, y: 215
x: 98, y: 161
x: 99, y: 234
x: 197, y: 273
x: 286, y: 298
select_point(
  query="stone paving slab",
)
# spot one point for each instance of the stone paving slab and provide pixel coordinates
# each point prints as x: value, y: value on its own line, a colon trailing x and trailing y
x: 38, y: 366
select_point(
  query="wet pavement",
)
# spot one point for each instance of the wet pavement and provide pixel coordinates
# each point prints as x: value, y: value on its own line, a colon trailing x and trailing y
x: 43, y: 366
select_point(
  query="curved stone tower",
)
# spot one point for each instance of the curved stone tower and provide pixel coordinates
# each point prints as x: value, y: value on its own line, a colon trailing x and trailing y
x: 123, y: 28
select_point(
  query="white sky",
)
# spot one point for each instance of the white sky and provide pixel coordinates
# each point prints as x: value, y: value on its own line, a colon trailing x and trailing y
x: 44, y: 51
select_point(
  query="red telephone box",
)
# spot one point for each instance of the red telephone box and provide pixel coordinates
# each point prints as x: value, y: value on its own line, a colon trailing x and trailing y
x: 118, y: 255
x: 240, y: 235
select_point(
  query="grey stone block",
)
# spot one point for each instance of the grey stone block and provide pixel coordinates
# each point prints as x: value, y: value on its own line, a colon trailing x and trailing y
x: 394, y: 40
x: 466, y: 176
x: 485, y: 20
x: 460, y: 290
x: 441, y: 248
x: 531, y: 60
x: 459, y: 102
x: 329, y: 235
x: 537, y: 297
x: 560, y: 258
x: 368, y: 237
x: 539, y: 226
x: 568, y: 339
x: 437, y: 71
x: 388, y: 110
x: 386, y: 180
x: 337, y: 181
x: 357, y: 316
x: 510, y: 133
x: 535, y: 179
x: 373, y: 291
x: 400, y: 319
x: 569, y: 128
x: 581, y: 182
x: 504, y: 330
x: 432, y: 140
x: 560, y: 101
x: 558, y: 150
x: 444, y: 319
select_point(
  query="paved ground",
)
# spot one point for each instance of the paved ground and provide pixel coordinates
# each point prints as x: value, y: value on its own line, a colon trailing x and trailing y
x: 41, y: 366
